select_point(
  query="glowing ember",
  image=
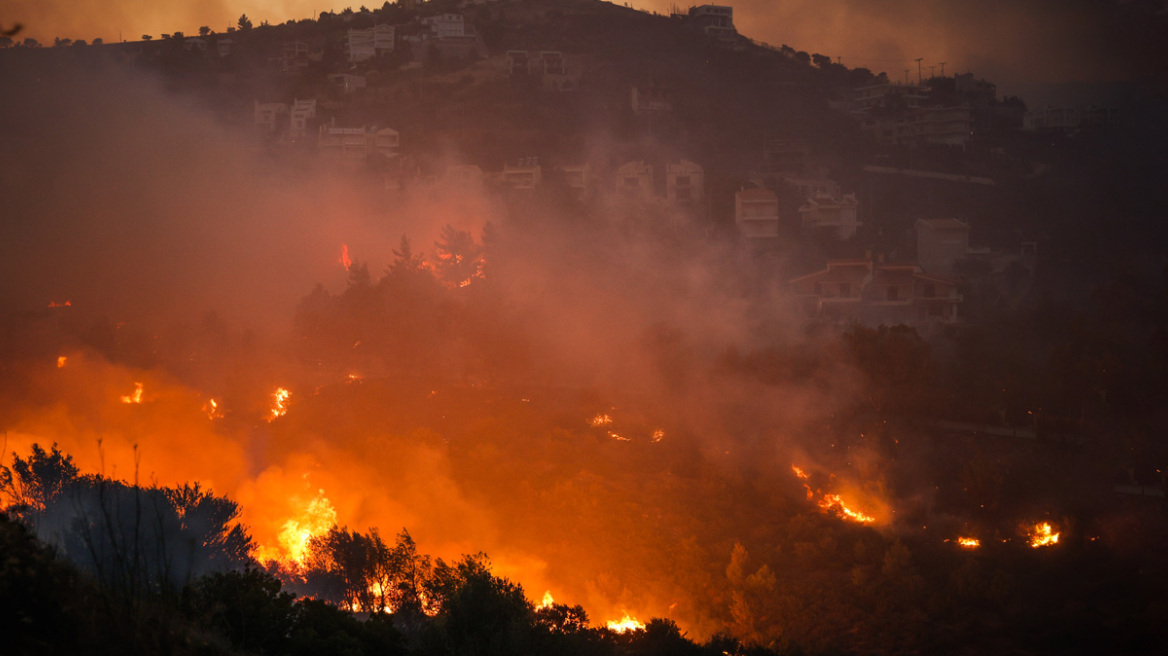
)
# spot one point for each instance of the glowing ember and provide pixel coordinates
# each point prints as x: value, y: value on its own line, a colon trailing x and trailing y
x: 830, y: 501
x: 316, y: 520
x: 969, y: 543
x: 280, y: 403
x: 625, y: 624
x: 345, y: 260
x: 136, y: 397
x: 547, y: 600
x: 600, y: 420
x: 1043, y: 535
x: 799, y: 472
x: 618, y: 437
x: 211, y: 407
x: 61, y: 361
x: 658, y: 435
x: 55, y: 304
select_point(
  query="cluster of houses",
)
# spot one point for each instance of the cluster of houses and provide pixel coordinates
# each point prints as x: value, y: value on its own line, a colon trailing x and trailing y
x: 869, y: 290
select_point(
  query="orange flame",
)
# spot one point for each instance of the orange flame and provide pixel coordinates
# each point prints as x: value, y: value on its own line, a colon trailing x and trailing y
x: 547, y: 602
x: 345, y: 260
x: 830, y: 501
x: 280, y: 403
x: 136, y: 397
x: 625, y: 624
x: 211, y: 407
x: 600, y: 420
x: 61, y: 361
x: 658, y: 435
x: 969, y: 543
x: 55, y: 304
x: 1043, y: 535
x: 316, y: 520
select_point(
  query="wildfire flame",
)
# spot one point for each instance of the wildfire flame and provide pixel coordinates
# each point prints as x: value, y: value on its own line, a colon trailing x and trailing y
x: 547, y: 601
x: 625, y: 624
x: 1043, y: 535
x: 600, y: 420
x: 969, y: 543
x: 658, y: 435
x: 136, y: 397
x: 280, y: 403
x: 61, y: 361
x: 830, y: 501
x: 55, y: 304
x: 211, y: 407
x: 345, y: 260
x: 316, y: 520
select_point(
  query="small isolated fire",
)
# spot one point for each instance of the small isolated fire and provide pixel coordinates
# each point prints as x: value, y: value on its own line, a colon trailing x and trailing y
x: 657, y: 436
x: 969, y: 543
x: 61, y: 360
x: 600, y: 420
x: 55, y: 304
x: 625, y: 624
x: 279, y: 403
x: 136, y: 397
x: 316, y: 520
x: 211, y: 407
x: 345, y: 260
x: 547, y: 602
x: 1043, y: 535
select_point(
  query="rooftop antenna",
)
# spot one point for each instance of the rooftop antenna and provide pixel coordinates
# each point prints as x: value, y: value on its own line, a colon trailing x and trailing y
x: 918, y: 61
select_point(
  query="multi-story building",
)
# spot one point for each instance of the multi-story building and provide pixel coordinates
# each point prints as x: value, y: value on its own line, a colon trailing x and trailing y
x: 370, y: 42
x: 684, y: 182
x: 756, y: 213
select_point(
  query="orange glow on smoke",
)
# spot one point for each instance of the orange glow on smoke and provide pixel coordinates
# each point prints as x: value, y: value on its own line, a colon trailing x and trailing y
x: 831, y: 502
x: 345, y: 260
x: 279, y: 403
x: 136, y: 397
x: 316, y: 520
x: 1043, y: 535
x: 625, y: 624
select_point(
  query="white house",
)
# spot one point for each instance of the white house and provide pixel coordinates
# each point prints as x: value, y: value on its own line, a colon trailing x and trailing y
x: 370, y: 42
x: 756, y: 213
x: 684, y: 182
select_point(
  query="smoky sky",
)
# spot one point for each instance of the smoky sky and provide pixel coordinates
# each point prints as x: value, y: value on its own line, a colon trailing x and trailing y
x: 1022, y: 45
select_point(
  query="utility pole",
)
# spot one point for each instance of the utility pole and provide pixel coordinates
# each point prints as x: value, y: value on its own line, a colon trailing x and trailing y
x: 918, y: 61
x: 906, y: 75
x: 942, y: 69
x: 932, y: 71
